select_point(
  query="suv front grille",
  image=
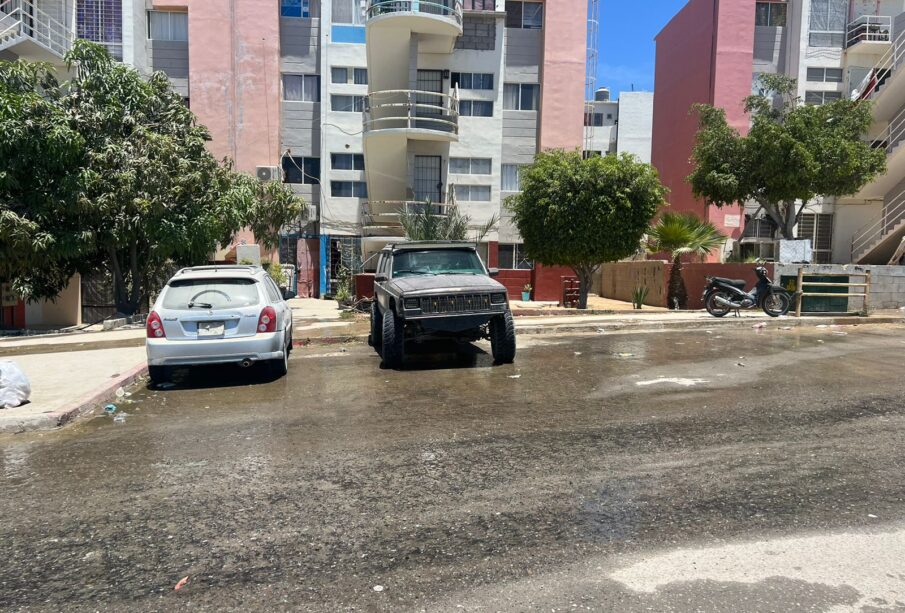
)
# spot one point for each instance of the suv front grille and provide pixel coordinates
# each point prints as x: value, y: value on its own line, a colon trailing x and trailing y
x: 456, y: 303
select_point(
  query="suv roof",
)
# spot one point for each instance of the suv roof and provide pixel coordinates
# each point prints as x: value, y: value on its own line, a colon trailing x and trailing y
x: 231, y: 270
x: 409, y: 245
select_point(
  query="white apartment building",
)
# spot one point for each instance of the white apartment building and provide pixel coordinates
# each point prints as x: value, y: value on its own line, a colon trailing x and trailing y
x: 620, y: 126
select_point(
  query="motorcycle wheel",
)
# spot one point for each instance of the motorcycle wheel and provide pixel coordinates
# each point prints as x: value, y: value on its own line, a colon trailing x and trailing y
x: 715, y: 309
x: 777, y: 303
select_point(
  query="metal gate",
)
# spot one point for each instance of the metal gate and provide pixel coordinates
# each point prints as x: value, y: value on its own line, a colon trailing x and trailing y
x: 428, y: 178
x: 429, y: 81
x: 98, y: 302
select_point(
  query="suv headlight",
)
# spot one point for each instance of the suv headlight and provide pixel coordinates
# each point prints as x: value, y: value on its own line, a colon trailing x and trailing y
x: 498, y: 298
x: 412, y: 303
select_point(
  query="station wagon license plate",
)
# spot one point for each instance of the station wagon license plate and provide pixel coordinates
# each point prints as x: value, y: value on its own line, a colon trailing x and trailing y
x: 211, y: 328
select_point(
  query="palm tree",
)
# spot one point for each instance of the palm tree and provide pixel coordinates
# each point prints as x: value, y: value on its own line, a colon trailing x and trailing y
x: 681, y: 234
x: 423, y: 223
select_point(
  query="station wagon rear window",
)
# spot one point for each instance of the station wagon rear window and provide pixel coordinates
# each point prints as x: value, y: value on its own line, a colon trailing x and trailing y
x: 189, y: 294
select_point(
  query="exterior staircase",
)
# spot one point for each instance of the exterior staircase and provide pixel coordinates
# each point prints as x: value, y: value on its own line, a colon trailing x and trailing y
x: 31, y: 32
x: 879, y: 242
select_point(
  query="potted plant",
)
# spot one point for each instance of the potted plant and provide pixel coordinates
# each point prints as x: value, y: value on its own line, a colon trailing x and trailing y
x: 526, y: 292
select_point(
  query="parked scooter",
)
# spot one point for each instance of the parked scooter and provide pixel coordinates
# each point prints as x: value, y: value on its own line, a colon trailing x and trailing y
x: 724, y: 295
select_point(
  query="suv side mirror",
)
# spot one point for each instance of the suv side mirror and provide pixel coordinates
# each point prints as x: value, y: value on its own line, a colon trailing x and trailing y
x: 380, y: 278
x: 493, y: 271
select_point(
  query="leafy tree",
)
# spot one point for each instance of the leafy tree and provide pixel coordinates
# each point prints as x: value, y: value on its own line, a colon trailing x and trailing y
x: 421, y: 223
x: 580, y: 212
x: 682, y: 234
x: 110, y: 171
x: 793, y: 153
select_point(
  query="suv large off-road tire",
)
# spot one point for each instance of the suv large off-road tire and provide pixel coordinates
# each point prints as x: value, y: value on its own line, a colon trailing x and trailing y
x: 375, y: 338
x: 392, y: 345
x: 502, y: 338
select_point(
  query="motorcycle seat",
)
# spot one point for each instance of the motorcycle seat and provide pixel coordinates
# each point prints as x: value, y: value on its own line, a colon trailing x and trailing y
x: 739, y: 283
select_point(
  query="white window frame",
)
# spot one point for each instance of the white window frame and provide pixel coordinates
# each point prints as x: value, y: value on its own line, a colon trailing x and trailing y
x: 519, y: 97
x: 466, y: 107
x: 824, y: 74
x: 308, y: 81
x: 834, y: 96
x: 357, y: 100
x: 464, y: 193
x: 469, y: 79
x: 169, y: 26
x: 470, y: 163
x: 506, y: 170
x: 352, y: 75
x: 359, y: 189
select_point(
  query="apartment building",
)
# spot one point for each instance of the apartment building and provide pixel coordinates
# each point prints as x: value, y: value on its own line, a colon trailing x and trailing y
x: 713, y: 51
x: 620, y: 126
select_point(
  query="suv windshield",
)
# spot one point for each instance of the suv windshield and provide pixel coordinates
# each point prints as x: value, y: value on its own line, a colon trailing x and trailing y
x: 437, y: 262
x: 211, y: 294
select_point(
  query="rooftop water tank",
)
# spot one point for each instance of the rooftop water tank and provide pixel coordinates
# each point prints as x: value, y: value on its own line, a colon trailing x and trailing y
x: 602, y: 94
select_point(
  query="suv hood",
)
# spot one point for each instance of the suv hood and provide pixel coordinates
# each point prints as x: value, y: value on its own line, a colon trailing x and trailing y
x: 446, y: 284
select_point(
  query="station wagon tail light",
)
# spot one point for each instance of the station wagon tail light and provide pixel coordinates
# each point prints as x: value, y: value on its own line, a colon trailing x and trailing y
x: 412, y: 303
x: 155, y: 326
x: 498, y: 298
x: 267, y: 322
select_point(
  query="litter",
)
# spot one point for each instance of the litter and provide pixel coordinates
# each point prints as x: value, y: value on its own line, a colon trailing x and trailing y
x: 840, y: 333
x: 378, y: 588
x: 515, y: 376
x: 760, y: 325
x: 110, y: 409
x: 740, y: 364
x: 577, y: 353
x: 14, y: 386
x: 786, y: 328
x: 822, y: 326
x: 120, y: 418
x: 625, y: 355
x: 120, y: 392
x: 600, y: 330
x: 181, y: 583
x: 676, y: 380
x: 872, y: 516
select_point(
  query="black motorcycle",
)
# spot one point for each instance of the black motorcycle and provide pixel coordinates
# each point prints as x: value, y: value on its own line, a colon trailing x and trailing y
x: 724, y: 295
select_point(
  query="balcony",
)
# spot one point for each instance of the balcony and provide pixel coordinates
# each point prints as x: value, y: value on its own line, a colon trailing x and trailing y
x: 32, y: 33
x: 419, y: 115
x: 382, y: 218
x: 869, y: 33
x: 438, y: 23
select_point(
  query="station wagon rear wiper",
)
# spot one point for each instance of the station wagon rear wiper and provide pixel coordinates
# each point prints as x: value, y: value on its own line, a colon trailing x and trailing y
x: 203, y: 305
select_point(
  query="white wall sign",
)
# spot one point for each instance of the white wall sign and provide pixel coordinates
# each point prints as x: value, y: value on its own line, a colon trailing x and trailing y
x: 732, y: 221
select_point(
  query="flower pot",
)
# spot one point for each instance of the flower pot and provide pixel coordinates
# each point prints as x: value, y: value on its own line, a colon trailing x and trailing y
x: 526, y: 296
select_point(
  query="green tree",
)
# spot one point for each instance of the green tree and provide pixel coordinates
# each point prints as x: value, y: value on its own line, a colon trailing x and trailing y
x: 580, y: 212
x: 792, y: 154
x: 681, y: 234
x: 111, y: 171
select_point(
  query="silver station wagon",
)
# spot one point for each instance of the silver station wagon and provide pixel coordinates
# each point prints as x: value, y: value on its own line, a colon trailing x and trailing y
x: 219, y: 315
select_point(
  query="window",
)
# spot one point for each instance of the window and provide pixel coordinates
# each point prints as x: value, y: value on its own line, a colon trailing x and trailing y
x: 771, y: 14
x: 218, y: 293
x: 480, y: 5
x: 825, y: 75
x: 348, y: 189
x: 470, y: 166
x: 306, y: 170
x: 347, y: 104
x: 511, y: 181
x: 520, y: 96
x: 828, y: 20
x: 475, y: 108
x: 818, y: 228
x: 301, y: 88
x: 168, y: 25
x: 342, y: 74
x: 348, y: 11
x: 525, y: 15
x: 472, y: 80
x: 595, y: 119
x: 295, y: 8
x: 818, y: 98
x: 512, y: 257
x: 347, y: 161
x: 473, y: 193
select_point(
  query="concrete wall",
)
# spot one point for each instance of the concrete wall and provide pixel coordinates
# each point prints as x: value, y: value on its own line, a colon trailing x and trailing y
x: 887, y: 282
x: 617, y: 280
x: 562, y: 92
x: 636, y: 116
x: 62, y: 312
x: 524, y: 55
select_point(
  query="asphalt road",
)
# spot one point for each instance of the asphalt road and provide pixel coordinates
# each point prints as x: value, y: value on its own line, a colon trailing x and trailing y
x: 726, y: 471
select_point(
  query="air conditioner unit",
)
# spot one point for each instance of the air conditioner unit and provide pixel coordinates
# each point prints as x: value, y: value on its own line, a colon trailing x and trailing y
x: 269, y: 173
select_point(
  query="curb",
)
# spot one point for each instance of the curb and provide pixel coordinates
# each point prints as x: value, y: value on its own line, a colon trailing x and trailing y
x: 53, y: 419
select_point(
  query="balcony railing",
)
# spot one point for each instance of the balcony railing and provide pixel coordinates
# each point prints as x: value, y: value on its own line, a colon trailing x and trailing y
x: 412, y: 109
x: 869, y: 29
x: 866, y: 237
x: 24, y: 18
x: 882, y: 70
x: 451, y: 9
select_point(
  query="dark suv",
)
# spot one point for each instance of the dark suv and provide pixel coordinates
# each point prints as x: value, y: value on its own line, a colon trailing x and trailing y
x: 430, y: 290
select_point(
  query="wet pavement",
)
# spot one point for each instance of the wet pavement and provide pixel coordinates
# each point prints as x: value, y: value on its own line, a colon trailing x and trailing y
x: 730, y: 470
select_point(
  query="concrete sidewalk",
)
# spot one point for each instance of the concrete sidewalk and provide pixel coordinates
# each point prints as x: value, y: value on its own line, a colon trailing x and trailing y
x: 67, y: 384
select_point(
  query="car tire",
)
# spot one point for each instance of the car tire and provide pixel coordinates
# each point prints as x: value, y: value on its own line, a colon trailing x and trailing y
x: 392, y: 340
x: 502, y: 338
x: 159, y: 374
x: 375, y: 339
x: 280, y: 366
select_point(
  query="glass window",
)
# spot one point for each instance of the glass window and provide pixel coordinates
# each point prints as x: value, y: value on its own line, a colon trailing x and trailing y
x: 361, y: 76
x: 520, y: 96
x: 347, y: 161
x: 469, y: 80
x: 437, y: 262
x: 301, y: 88
x: 294, y: 8
x: 512, y: 257
x: 533, y: 16
x: 348, y: 189
x: 476, y: 108
x: 817, y: 98
x: 211, y: 294
x: 347, y: 104
x: 480, y: 166
x: 348, y: 11
x: 825, y: 75
x: 460, y: 166
x: 473, y: 193
x: 511, y: 178
x: 771, y: 14
x: 513, y: 14
x: 339, y: 74
x: 828, y: 21
x: 168, y: 25
x: 470, y: 166
x: 306, y: 170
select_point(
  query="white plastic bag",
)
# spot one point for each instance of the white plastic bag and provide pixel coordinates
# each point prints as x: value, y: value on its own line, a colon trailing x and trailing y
x: 14, y: 386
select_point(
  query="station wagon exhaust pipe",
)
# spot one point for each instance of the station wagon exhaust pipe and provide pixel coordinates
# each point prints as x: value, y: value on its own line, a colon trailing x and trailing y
x: 245, y: 363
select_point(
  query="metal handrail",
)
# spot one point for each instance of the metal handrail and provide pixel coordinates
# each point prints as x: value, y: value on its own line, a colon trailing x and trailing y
x: 38, y: 25
x: 412, y: 109
x: 889, y: 61
x: 876, y: 229
x: 437, y: 9
x: 869, y: 28
x: 895, y: 132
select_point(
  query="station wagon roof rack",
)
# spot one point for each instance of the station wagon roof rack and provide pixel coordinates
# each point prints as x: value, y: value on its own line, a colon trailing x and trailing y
x: 216, y: 267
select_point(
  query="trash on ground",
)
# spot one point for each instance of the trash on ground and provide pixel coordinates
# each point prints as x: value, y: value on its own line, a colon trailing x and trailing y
x: 822, y: 326
x: 600, y: 330
x: 110, y: 409
x: 14, y: 386
x: 786, y: 328
x: 760, y: 325
x: 181, y: 583
x: 378, y: 588
x: 675, y: 380
x: 872, y: 516
x: 120, y: 418
x: 515, y: 376
x: 819, y: 340
x: 577, y: 353
x: 741, y: 364
x: 120, y: 392
x: 840, y: 333
x: 625, y: 355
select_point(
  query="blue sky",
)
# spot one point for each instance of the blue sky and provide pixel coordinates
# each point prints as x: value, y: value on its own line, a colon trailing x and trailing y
x: 626, y: 47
